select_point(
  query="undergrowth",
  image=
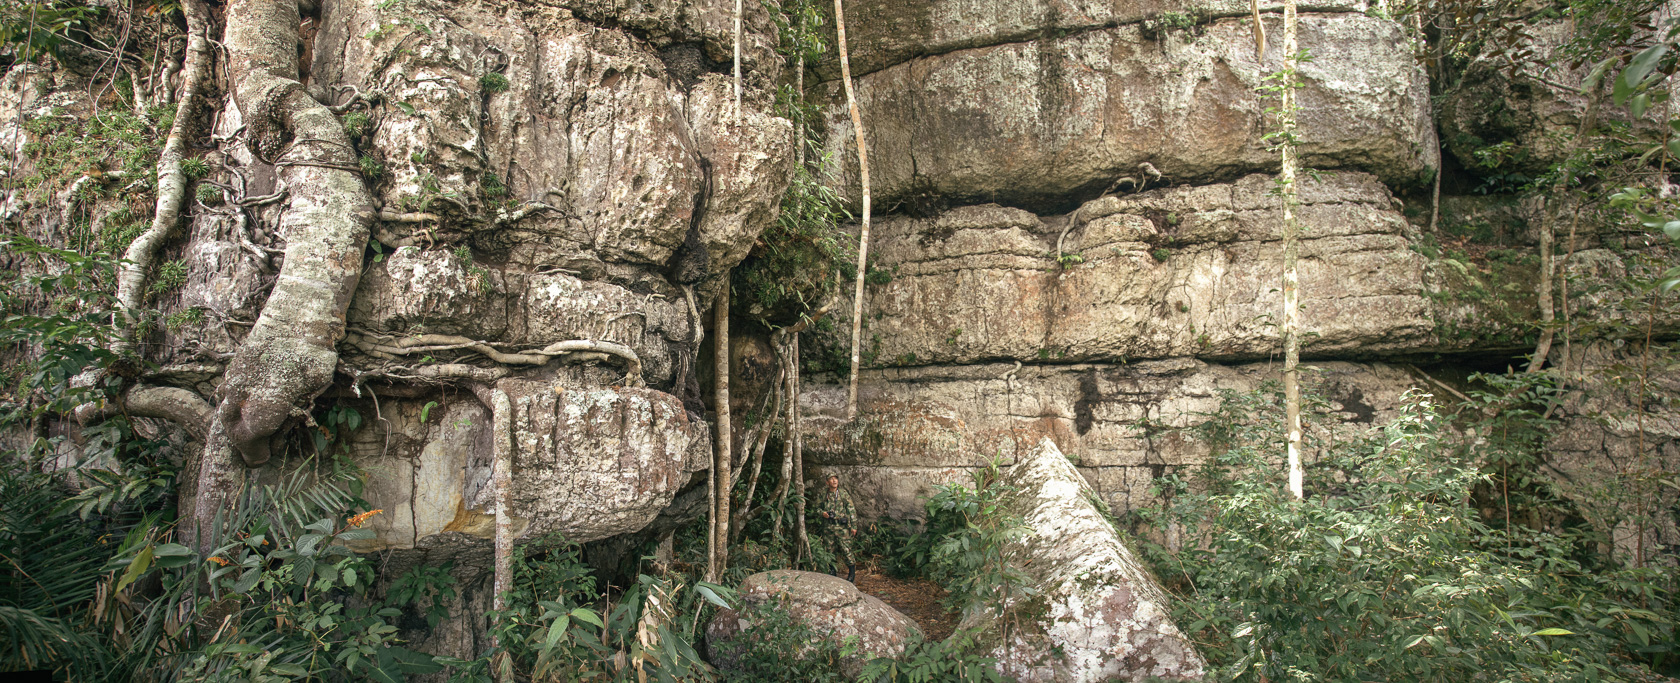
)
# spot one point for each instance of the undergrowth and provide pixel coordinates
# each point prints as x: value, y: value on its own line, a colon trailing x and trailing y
x: 1385, y: 571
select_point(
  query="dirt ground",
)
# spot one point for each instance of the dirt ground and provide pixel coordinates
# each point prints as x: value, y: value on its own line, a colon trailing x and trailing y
x: 916, y: 598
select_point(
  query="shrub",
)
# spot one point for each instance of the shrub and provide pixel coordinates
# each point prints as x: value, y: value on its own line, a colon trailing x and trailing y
x: 1383, y: 572
x: 493, y: 83
x: 953, y: 659
x: 777, y: 647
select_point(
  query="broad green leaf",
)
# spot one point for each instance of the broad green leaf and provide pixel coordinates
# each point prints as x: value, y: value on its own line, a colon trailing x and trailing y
x: 136, y: 568
x: 247, y: 581
x: 1637, y: 69
x: 587, y: 616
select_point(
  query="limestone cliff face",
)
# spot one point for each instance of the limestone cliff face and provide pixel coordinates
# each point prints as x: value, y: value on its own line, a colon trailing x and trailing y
x: 1040, y: 280
x: 1076, y: 240
x: 543, y: 172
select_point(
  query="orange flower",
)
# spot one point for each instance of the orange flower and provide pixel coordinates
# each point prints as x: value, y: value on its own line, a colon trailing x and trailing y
x: 219, y: 561
x: 358, y: 520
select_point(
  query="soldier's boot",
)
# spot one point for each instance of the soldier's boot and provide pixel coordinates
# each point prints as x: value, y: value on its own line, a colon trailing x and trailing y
x: 851, y: 573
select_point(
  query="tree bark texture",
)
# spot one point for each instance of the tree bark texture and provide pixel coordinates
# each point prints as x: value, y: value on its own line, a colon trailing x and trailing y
x: 171, y: 182
x: 721, y: 458
x: 290, y: 353
x: 1291, y: 251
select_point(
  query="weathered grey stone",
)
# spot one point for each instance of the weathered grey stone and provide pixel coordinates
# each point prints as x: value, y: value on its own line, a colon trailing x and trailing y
x: 881, y: 33
x: 1173, y: 272
x: 597, y: 462
x: 1194, y: 271
x: 1532, y: 105
x: 1611, y: 459
x: 590, y: 462
x: 829, y: 605
x: 590, y: 122
x: 1125, y: 423
x: 437, y: 292
x: 1097, y: 614
x: 1045, y: 122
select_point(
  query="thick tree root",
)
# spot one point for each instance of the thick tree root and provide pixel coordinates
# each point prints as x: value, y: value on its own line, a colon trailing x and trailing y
x: 178, y: 405
x: 291, y: 352
x: 172, y: 181
x: 389, y: 347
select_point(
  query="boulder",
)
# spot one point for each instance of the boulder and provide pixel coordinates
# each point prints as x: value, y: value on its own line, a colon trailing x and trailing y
x: 1098, y: 614
x: 1049, y: 120
x: 828, y: 604
x: 1519, y: 116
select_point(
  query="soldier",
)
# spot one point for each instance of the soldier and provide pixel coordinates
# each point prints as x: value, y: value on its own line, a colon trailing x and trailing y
x: 839, y: 524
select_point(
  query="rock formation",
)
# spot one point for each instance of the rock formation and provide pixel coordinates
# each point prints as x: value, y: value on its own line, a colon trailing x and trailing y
x: 405, y: 207
x: 1095, y: 613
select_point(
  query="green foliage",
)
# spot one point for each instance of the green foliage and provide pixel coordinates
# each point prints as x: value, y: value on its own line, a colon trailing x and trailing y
x: 899, y: 547
x: 31, y: 30
x: 554, y: 630
x: 52, y: 565
x: 778, y: 647
x: 806, y: 254
x: 493, y: 187
x: 962, y: 545
x: 493, y: 83
x: 372, y: 169
x: 1160, y: 254
x: 209, y: 194
x: 169, y: 277
x: 954, y: 659
x: 478, y: 275
x: 60, y: 308
x: 1384, y: 571
x: 800, y: 259
x: 357, y: 124
x: 195, y: 168
x: 1161, y: 25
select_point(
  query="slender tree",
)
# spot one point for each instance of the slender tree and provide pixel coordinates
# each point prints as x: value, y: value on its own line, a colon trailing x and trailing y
x: 803, y: 540
x: 1291, y: 251
x: 501, y: 419
x: 863, y: 176
x: 718, y: 552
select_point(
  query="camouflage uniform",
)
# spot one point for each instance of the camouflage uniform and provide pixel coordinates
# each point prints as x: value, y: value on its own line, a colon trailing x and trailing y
x: 842, y: 520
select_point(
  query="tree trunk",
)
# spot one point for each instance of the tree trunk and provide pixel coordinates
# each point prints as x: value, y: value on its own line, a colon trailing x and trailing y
x: 1548, y: 266
x: 501, y: 421
x: 290, y: 354
x: 759, y: 440
x: 736, y: 115
x: 791, y: 374
x: 1291, y: 250
x: 863, y: 175
x: 721, y: 458
x: 804, y: 542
